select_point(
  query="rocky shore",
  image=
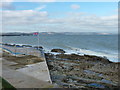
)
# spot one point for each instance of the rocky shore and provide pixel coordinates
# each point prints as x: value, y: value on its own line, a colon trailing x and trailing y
x: 72, y: 70
x: 82, y: 71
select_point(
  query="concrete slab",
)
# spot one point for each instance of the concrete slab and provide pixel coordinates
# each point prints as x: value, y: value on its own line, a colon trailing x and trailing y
x: 21, y: 80
x: 31, y: 76
x: 38, y: 70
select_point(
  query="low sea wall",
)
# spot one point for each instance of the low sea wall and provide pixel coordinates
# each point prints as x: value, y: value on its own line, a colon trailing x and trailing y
x: 23, y: 50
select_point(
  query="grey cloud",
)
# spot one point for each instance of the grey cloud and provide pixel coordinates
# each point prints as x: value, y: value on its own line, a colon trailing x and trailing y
x: 7, y: 5
x: 75, y: 22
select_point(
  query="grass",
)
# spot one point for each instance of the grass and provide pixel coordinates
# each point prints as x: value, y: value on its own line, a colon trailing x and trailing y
x: 6, y: 85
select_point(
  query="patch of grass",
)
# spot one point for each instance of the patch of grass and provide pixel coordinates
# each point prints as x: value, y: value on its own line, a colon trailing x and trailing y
x: 23, y: 60
x: 6, y: 85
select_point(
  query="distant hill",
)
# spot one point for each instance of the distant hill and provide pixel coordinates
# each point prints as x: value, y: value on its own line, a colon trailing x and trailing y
x: 15, y: 34
x: 54, y: 33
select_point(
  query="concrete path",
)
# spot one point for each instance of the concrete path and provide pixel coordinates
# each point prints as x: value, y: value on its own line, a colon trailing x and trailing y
x: 31, y: 76
x: 21, y: 80
x: 38, y: 70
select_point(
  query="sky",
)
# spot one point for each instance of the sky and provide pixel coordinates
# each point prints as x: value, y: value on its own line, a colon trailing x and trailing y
x: 59, y: 16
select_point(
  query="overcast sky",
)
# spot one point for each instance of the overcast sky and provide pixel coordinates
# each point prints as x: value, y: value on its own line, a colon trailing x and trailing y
x: 59, y: 16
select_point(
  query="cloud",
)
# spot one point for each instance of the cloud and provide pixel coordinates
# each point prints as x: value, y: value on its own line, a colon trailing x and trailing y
x: 27, y: 20
x: 23, y: 17
x: 41, y: 7
x: 28, y: 0
x: 38, y: 0
x: 113, y: 17
x: 8, y: 0
x: 62, y: 0
x: 7, y: 4
x: 75, y: 6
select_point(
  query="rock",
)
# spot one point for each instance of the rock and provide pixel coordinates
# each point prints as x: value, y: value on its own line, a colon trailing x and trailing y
x: 5, y: 44
x: 71, y: 57
x: 50, y: 67
x: 38, y: 47
x: 26, y: 45
x: 85, y: 58
x: 97, y: 58
x: 96, y: 85
x: 104, y: 73
x: 9, y: 44
x: 49, y: 56
x: 65, y: 80
x: 18, y: 46
x: 58, y: 50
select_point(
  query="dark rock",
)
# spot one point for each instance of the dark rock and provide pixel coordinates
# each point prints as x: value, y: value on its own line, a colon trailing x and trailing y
x: 26, y: 45
x: 81, y: 81
x: 49, y: 56
x: 65, y: 80
x: 5, y: 44
x: 85, y: 58
x: 103, y: 76
x: 96, y: 58
x: 9, y: 44
x: 50, y: 67
x: 18, y: 46
x: 38, y: 47
x: 71, y: 57
x: 58, y: 50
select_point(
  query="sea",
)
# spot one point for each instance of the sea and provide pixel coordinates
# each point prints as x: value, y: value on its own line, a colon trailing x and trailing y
x: 99, y: 45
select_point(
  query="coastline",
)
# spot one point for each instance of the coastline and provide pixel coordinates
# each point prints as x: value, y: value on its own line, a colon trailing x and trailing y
x: 85, y: 72
x: 42, y: 51
x: 80, y: 71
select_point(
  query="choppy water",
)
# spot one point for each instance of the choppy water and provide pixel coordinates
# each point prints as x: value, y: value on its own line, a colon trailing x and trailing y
x: 100, y: 45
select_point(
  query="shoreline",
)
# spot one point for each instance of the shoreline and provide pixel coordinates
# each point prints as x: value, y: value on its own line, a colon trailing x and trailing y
x: 78, y: 52
x: 79, y: 71
x: 85, y: 72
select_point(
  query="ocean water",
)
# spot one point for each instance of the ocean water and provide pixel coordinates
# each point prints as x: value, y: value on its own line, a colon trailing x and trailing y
x: 100, y: 45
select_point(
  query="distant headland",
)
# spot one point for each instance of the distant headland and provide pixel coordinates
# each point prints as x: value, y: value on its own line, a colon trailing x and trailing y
x: 55, y: 33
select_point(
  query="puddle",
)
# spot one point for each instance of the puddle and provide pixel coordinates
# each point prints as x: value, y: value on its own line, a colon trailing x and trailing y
x: 92, y: 72
x: 106, y: 81
x: 96, y: 85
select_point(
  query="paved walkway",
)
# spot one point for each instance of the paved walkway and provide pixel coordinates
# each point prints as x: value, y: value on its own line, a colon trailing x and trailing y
x: 21, y: 80
x: 38, y: 70
x: 32, y: 76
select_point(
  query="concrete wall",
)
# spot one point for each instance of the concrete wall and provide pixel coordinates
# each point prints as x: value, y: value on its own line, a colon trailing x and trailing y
x: 24, y: 50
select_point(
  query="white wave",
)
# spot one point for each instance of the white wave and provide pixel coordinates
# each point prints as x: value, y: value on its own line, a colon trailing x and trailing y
x: 17, y: 44
x: 72, y: 50
x: 23, y: 44
x: 111, y: 57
